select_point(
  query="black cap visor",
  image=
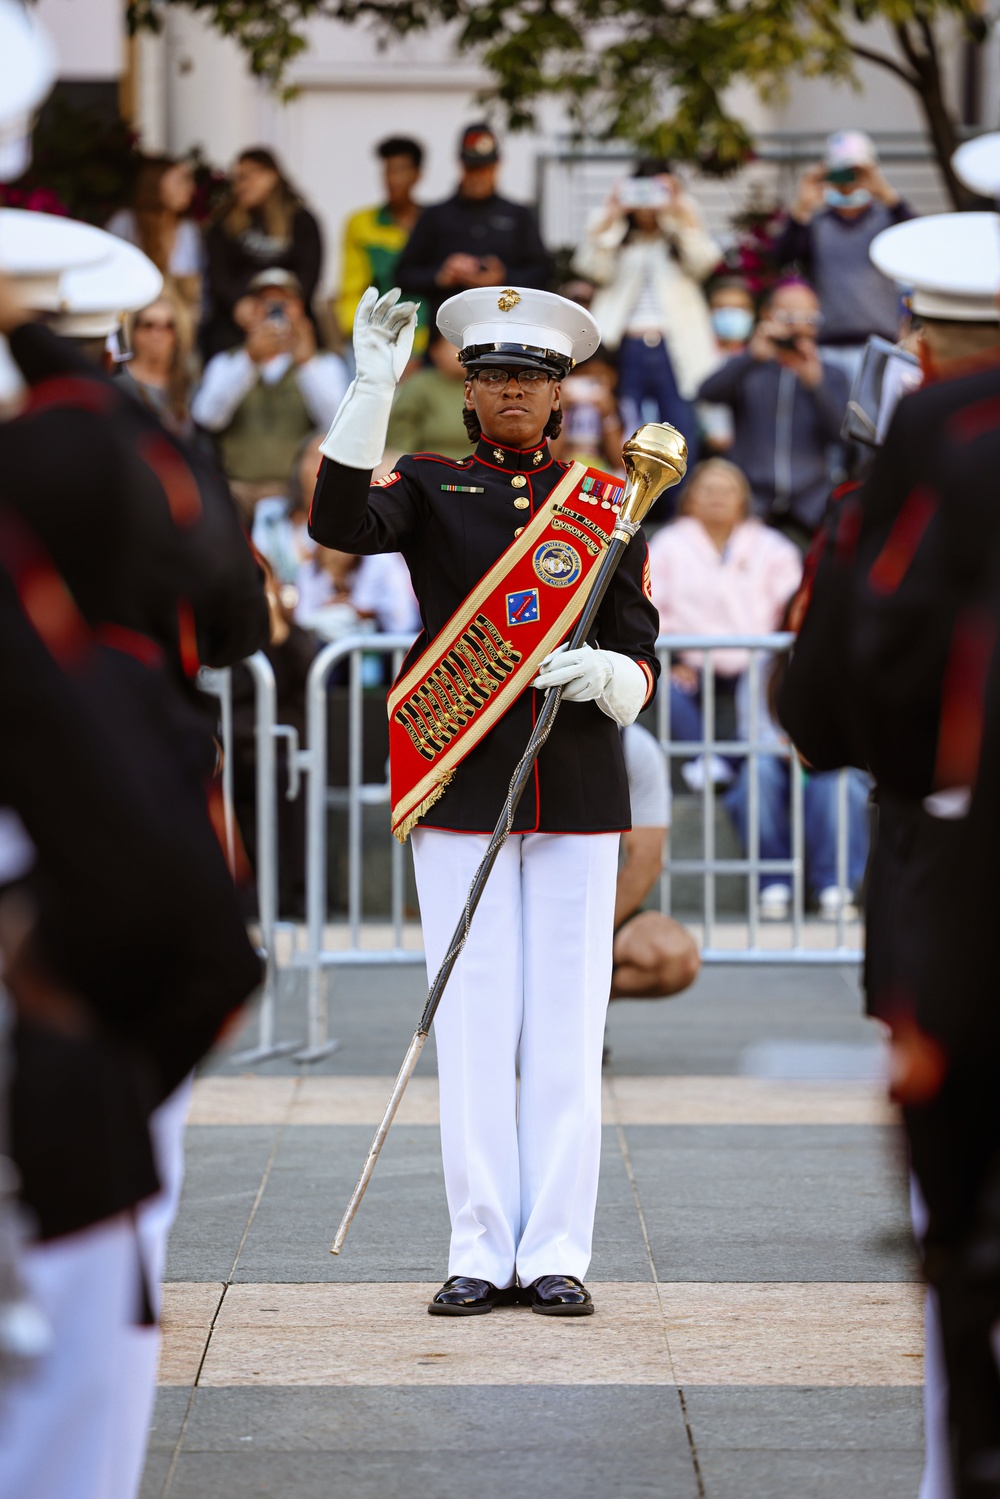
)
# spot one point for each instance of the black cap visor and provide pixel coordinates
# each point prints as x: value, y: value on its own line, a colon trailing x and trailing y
x: 515, y: 356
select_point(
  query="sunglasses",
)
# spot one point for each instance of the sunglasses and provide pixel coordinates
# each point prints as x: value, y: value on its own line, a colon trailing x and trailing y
x: 498, y: 380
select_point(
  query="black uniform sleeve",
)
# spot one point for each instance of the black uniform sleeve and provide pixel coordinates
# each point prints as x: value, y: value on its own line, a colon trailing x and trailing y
x: 351, y: 514
x: 422, y: 257
x: 534, y: 267
x: 42, y: 355
x: 627, y: 621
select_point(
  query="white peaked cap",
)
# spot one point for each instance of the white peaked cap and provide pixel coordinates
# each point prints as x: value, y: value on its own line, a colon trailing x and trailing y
x: 949, y: 261
x: 977, y: 164
x: 94, y: 297
x: 27, y: 73
x: 36, y: 248
x: 520, y: 315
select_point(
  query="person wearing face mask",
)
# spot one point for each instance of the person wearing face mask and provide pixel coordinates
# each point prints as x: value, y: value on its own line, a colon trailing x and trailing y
x: 842, y: 204
x: 733, y: 312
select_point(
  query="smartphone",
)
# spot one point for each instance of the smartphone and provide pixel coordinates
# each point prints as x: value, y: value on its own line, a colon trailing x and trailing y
x: 786, y: 341
x: 841, y: 176
x: 643, y: 192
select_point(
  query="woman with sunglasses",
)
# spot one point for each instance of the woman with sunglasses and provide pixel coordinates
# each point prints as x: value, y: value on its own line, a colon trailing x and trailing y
x: 499, y: 546
x: 157, y: 374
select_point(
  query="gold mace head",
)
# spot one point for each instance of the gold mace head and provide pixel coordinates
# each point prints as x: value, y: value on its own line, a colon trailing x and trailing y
x: 655, y: 458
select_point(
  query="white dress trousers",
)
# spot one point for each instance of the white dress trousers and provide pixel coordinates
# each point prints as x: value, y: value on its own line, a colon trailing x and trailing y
x: 528, y: 994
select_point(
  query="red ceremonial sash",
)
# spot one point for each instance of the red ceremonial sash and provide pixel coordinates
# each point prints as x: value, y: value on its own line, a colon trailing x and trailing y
x: 491, y: 648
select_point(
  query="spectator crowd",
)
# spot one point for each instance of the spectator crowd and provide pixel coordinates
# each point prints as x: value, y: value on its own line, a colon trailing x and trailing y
x: 242, y: 356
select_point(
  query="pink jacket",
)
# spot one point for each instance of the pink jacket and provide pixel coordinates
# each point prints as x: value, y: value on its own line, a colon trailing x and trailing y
x: 741, y: 591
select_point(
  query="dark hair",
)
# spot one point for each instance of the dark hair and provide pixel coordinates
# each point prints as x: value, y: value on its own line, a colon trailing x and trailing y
x: 280, y: 208
x: 155, y: 224
x: 552, y: 427
x: 401, y: 145
x: 652, y: 166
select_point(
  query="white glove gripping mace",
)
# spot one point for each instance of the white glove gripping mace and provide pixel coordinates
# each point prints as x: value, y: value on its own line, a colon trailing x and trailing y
x: 655, y: 458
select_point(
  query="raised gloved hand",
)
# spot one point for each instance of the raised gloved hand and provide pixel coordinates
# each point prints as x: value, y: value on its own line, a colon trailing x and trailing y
x: 383, y: 342
x: 615, y: 682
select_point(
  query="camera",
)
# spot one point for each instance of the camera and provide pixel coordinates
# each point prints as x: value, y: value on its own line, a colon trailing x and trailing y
x: 276, y: 314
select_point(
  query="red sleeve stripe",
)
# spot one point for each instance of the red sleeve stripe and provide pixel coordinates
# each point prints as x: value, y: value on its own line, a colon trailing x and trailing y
x: 893, y: 561
x: 650, y: 679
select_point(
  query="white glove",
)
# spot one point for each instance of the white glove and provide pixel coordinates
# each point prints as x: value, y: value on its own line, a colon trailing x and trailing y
x: 616, y: 683
x: 383, y: 342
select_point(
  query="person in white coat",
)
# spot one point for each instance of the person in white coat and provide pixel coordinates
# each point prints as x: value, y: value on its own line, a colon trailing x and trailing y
x: 648, y: 254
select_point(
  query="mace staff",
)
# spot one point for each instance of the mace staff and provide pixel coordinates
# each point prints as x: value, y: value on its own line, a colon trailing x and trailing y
x: 655, y: 459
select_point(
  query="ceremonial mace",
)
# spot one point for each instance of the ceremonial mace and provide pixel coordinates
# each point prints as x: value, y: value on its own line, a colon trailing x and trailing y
x: 655, y: 458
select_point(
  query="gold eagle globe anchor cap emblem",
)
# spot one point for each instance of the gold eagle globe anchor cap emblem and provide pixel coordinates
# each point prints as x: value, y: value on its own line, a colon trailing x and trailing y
x: 655, y: 459
x: 508, y: 300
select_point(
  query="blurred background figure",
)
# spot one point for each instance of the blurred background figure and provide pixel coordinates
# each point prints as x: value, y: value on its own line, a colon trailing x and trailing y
x: 648, y: 254
x: 374, y: 238
x: 654, y: 955
x: 842, y: 204
x: 788, y: 404
x: 592, y: 431
x: 158, y: 222
x: 263, y: 224
x: 158, y: 373
x: 263, y: 399
x: 428, y: 405
x: 733, y: 312
x: 716, y: 570
x: 475, y: 238
x: 820, y: 797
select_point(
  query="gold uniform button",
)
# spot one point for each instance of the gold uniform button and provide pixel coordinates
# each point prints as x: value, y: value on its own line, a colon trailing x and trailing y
x: 519, y: 481
x: 519, y: 530
x: 522, y: 502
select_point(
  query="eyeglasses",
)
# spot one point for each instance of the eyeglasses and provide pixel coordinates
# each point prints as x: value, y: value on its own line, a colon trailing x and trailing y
x: 155, y: 323
x: 798, y: 319
x: 528, y: 380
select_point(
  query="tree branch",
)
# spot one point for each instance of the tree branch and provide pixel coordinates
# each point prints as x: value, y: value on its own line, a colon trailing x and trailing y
x: 913, y: 57
x: 883, y: 60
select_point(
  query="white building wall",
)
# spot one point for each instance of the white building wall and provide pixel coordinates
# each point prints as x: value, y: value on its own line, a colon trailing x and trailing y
x: 88, y: 35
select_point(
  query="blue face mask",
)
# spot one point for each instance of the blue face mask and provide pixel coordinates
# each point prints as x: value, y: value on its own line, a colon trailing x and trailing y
x: 859, y: 197
x: 732, y: 324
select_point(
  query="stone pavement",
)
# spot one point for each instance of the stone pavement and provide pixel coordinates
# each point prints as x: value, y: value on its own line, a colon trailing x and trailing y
x: 759, y: 1325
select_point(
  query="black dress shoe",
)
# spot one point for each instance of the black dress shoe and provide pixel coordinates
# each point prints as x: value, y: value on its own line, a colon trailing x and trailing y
x: 464, y: 1296
x: 560, y: 1296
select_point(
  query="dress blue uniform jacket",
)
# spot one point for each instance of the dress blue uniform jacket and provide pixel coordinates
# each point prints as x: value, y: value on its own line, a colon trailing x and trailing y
x: 452, y: 520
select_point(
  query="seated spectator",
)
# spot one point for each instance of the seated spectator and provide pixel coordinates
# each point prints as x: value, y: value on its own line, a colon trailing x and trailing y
x: 733, y: 313
x: 649, y: 253
x: 654, y: 956
x: 820, y: 799
x: 716, y: 570
x: 428, y: 405
x: 157, y: 374
x: 842, y: 204
x: 158, y: 223
x: 263, y: 224
x: 592, y: 426
x: 788, y: 404
x: 263, y: 399
x: 374, y: 238
x: 475, y: 238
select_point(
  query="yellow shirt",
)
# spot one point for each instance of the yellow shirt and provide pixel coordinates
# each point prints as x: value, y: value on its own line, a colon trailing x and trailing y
x: 373, y: 243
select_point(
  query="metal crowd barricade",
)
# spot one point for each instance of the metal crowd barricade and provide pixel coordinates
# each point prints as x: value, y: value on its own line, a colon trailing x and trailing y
x: 345, y: 948
x: 753, y: 748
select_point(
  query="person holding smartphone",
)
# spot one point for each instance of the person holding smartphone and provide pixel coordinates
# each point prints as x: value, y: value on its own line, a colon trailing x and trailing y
x: 788, y: 401
x: 842, y: 204
x: 648, y: 253
x: 263, y: 399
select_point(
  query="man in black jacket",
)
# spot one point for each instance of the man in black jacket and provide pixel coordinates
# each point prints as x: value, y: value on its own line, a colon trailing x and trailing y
x: 475, y: 238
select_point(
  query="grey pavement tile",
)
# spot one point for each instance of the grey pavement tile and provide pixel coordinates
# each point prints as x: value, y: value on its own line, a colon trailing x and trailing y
x: 561, y: 1471
x: 791, y: 1418
x: 168, y: 1418
x: 809, y: 1475
x: 224, y: 1166
x: 154, y: 1475
x: 430, y: 1421
x: 401, y: 1230
x: 772, y: 1203
x: 706, y: 1030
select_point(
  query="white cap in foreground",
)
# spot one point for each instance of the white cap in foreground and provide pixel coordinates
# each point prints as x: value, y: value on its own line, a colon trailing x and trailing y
x: 27, y: 73
x: 36, y: 248
x: 518, y: 325
x: 977, y: 164
x: 95, y: 297
x: 950, y: 262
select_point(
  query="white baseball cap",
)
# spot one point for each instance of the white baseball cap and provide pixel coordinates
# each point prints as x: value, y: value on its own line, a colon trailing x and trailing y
x: 36, y: 248
x: 850, y: 148
x: 518, y: 324
x: 977, y: 164
x: 27, y: 73
x: 949, y: 261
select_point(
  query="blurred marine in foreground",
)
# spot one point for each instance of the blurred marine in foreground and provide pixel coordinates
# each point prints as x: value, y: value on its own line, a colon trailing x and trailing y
x: 896, y: 670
